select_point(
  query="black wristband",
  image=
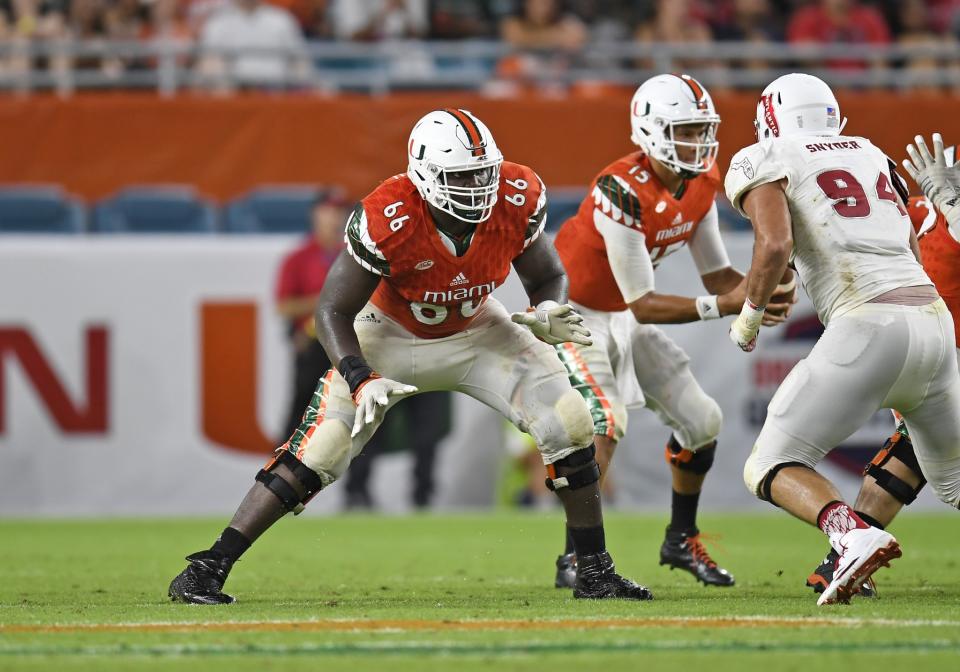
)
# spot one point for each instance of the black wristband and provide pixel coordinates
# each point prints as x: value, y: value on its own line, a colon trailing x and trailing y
x: 354, y: 370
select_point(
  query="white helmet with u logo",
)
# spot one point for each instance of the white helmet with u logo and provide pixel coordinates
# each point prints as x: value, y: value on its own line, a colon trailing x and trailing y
x: 664, y: 103
x: 454, y: 141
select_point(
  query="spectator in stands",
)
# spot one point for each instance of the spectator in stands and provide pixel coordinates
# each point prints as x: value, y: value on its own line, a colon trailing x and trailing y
x: 752, y: 21
x: 86, y: 22
x: 546, y: 39
x: 395, y: 24
x: 302, y: 274
x: 916, y: 28
x: 370, y: 20
x: 839, y: 22
x: 679, y: 22
x: 168, y: 20
x: 316, y: 17
x: 254, y: 45
x: 460, y: 19
x: 124, y: 20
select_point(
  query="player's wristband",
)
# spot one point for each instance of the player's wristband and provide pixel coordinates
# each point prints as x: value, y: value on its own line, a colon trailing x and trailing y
x: 355, y: 371
x: 752, y: 314
x: 707, y: 307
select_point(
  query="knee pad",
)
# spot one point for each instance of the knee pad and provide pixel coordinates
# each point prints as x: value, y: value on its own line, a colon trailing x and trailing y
x: 306, y: 477
x: 695, y: 461
x: 575, y: 419
x: 575, y: 471
x: 900, y: 447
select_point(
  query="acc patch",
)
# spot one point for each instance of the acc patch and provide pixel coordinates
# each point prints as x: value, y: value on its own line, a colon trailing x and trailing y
x: 424, y: 265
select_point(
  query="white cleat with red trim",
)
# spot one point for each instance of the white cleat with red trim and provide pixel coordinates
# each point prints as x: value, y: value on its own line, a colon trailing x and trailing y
x: 862, y: 552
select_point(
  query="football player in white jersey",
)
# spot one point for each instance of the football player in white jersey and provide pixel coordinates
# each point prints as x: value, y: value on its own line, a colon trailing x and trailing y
x: 833, y: 207
x: 893, y: 479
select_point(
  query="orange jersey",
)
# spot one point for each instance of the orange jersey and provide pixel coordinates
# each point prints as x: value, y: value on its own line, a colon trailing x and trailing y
x: 425, y: 287
x: 628, y: 192
x: 939, y: 254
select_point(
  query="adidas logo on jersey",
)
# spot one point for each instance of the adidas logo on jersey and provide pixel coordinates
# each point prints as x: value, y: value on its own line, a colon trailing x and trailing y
x: 461, y: 279
x: 368, y: 317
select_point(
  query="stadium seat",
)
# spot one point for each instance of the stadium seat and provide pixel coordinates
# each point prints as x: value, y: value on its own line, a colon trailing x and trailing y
x: 562, y: 204
x: 170, y: 208
x: 272, y: 209
x: 39, y: 208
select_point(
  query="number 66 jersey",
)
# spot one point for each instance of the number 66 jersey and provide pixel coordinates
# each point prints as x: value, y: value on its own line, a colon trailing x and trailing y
x: 851, y: 235
x: 426, y: 287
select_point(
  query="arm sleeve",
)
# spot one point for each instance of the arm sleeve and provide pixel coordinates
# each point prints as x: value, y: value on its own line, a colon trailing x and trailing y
x: 628, y: 256
x: 751, y: 167
x: 706, y: 245
x: 361, y: 246
x: 538, y: 219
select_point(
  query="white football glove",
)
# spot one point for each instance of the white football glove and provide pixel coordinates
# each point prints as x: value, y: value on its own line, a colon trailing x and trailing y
x: 940, y: 183
x: 554, y: 324
x: 744, y: 329
x: 372, y: 399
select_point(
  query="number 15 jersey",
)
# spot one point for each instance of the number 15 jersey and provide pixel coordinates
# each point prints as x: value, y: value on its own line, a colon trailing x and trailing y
x: 851, y: 236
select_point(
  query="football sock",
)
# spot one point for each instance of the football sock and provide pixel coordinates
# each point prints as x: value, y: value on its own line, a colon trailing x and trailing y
x: 836, y: 519
x: 231, y: 543
x: 869, y: 520
x: 568, y: 540
x: 588, y: 540
x: 683, y: 512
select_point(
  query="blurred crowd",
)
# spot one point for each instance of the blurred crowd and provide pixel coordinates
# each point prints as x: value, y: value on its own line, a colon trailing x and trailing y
x: 544, y: 34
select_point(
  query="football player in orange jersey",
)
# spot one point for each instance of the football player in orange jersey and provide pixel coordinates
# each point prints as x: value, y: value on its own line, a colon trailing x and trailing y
x: 639, y: 209
x: 894, y: 478
x: 408, y: 308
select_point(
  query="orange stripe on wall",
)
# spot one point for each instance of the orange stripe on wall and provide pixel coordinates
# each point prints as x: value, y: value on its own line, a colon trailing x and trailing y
x: 95, y: 144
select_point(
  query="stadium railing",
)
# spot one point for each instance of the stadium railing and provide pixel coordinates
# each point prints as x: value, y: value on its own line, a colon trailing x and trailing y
x: 167, y: 66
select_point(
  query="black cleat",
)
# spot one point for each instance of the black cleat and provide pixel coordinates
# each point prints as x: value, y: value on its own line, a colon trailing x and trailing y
x: 202, y: 581
x: 597, y: 579
x: 685, y: 550
x: 823, y: 576
x: 566, y: 571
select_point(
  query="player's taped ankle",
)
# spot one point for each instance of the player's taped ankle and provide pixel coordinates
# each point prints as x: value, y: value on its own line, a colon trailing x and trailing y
x: 901, y: 447
x: 288, y: 496
x: 575, y: 471
x: 695, y: 461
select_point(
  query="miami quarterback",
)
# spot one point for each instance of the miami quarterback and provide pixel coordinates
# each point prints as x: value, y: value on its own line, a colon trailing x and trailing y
x: 893, y: 478
x: 639, y: 210
x: 833, y: 206
x: 408, y: 308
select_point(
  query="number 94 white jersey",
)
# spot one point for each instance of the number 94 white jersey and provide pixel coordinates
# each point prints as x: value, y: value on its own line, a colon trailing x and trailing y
x: 851, y: 236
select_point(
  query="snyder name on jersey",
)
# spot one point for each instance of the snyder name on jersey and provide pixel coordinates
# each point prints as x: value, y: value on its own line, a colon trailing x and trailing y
x: 851, y: 234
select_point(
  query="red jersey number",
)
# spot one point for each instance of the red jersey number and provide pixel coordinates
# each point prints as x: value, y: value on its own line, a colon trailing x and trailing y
x: 848, y: 195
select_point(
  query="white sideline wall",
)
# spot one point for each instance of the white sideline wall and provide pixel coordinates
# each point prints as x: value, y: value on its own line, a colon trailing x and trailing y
x: 147, y: 454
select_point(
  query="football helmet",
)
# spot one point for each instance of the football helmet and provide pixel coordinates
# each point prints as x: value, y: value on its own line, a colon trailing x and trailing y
x: 451, y: 141
x: 797, y: 104
x: 660, y: 107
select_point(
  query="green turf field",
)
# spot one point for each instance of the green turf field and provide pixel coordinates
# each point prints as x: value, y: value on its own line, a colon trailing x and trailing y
x: 462, y: 593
